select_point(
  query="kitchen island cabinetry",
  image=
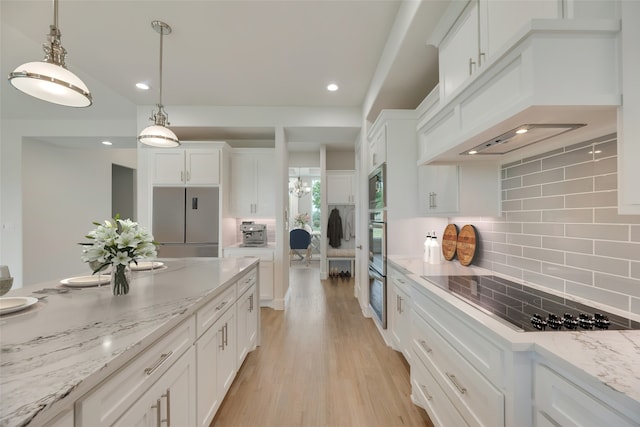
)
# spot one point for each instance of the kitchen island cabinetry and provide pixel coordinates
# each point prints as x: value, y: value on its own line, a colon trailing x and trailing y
x: 341, y: 188
x: 266, y: 256
x: 400, y: 315
x: 136, y: 359
x: 253, y: 183
x: 471, y: 189
x: 185, y: 166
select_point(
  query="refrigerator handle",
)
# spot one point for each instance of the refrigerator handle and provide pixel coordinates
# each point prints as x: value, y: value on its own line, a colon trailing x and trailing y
x: 194, y: 203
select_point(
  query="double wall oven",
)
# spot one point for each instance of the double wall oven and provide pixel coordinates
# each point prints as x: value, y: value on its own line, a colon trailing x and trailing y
x: 378, y: 248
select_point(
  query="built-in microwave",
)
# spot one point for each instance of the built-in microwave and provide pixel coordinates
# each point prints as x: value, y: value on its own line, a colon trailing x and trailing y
x: 377, y: 197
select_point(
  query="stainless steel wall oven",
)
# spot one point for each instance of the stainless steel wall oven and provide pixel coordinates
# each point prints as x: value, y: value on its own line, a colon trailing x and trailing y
x: 378, y: 266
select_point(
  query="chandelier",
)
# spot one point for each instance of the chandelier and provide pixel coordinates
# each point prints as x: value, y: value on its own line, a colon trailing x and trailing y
x: 298, y: 188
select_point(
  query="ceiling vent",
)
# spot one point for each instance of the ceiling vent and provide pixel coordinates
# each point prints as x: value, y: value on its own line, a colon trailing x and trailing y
x: 521, y: 137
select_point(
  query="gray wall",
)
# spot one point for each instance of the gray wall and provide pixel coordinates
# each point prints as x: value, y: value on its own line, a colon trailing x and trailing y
x: 560, y: 227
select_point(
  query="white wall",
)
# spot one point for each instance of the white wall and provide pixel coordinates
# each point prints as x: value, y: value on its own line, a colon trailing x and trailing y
x: 64, y: 191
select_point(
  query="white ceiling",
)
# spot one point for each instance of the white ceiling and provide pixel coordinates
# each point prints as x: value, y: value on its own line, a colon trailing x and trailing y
x: 225, y: 53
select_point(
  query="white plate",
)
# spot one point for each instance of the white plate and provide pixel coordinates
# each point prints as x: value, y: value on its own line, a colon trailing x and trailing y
x: 12, y: 304
x: 146, y: 265
x: 86, y: 281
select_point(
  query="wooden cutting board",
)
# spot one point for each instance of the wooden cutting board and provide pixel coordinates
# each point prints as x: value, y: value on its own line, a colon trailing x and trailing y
x: 466, y: 245
x: 449, y: 241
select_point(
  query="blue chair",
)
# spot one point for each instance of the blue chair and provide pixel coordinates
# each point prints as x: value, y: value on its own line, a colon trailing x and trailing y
x: 299, y: 239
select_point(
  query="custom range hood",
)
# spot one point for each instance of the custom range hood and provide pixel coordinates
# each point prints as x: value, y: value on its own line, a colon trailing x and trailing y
x: 557, y: 84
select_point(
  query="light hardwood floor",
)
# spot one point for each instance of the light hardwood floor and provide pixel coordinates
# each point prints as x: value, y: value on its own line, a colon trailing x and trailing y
x: 321, y: 363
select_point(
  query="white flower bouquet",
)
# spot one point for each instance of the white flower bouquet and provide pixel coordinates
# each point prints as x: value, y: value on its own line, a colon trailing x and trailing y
x: 118, y: 242
x: 301, y: 219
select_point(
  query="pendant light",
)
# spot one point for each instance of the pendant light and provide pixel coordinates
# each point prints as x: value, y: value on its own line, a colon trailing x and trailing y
x: 158, y: 134
x: 298, y: 188
x: 49, y: 79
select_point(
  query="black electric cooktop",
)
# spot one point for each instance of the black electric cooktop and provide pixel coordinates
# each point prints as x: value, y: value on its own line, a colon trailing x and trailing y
x: 530, y: 309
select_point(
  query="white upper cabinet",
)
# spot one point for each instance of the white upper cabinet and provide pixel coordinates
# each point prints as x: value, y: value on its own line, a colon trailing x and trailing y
x: 377, y: 149
x: 340, y: 187
x: 253, y: 183
x: 482, y: 29
x: 185, y: 166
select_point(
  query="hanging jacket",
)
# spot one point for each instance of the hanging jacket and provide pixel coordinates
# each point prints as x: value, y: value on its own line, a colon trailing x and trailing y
x: 349, y: 230
x: 334, y: 228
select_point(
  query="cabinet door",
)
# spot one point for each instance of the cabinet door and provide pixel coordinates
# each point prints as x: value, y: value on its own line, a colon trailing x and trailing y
x: 167, y: 167
x: 438, y: 189
x: 501, y: 20
x: 243, y: 185
x: 226, y: 357
x: 265, y: 186
x: 207, y: 360
x: 202, y: 167
x: 458, y: 55
x: 340, y: 188
x: 378, y: 149
x: 170, y: 400
x: 247, y: 308
x: 266, y: 280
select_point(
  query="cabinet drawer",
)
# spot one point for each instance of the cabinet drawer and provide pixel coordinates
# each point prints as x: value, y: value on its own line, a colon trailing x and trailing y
x: 485, y: 356
x: 429, y: 395
x: 207, y: 315
x: 480, y: 402
x: 247, y: 281
x: 559, y: 401
x: 111, y: 398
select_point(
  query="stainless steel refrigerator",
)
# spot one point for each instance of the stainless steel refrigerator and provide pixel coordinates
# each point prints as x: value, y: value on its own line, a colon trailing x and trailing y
x: 185, y: 221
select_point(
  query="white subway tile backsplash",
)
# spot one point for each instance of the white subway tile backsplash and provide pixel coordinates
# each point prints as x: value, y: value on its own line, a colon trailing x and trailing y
x: 560, y: 226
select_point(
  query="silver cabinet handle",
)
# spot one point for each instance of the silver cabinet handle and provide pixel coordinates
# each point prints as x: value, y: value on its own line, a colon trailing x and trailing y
x: 163, y: 358
x: 426, y: 392
x: 226, y: 335
x: 481, y: 57
x: 359, y: 246
x: 471, y: 64
x: 158, y: 412
x: 455, y: 383
x: 168, y: 396
x: 424, y: 345
x: 221, y: 331
x: 218, y: 308
x: 181, y: 176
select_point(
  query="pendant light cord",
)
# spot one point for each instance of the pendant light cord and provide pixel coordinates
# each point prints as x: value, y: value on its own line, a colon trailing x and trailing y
x: 161, y: 37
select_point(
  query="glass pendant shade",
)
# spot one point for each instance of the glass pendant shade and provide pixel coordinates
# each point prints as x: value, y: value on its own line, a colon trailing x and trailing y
x: 52, y: 83
x: 158, y: 136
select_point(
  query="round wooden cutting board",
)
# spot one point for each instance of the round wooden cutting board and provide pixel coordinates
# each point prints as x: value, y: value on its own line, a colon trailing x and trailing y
x: 466, y: 246
x: 449, y: 241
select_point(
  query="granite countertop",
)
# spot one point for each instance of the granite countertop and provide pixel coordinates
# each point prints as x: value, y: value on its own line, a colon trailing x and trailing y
x: 607, y: 360
x: 58, y: 349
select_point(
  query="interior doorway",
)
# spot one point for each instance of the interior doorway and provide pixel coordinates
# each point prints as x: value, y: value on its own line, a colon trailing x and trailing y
x: 123, y: 192
x: 305, y: 205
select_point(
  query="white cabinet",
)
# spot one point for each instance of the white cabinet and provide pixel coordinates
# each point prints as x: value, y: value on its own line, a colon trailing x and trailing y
x: 400, y: 315
x: 169, y: 401
x: 377, y: 149
x: 216, y: 364
x: 341, y: 187
x: 481, y: 31
x: 266, y: 256
x: 65, y: 419
x: 560, y: 401
x: 185, y: 166
x: 253, y: 183
x: 247, y: 326
x: 468, y: 189
x: 134, y: 382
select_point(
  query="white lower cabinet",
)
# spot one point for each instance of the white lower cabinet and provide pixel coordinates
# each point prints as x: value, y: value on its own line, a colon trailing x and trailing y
x: 216, y: 364
x: 266, y: 256
x: 561, y: 402
x: 400, y: 315
x: 170, y: 401
x: 182, y: 378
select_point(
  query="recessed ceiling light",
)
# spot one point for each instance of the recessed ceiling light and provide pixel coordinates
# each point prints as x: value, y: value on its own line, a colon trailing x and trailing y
x: 107, y: 143
x: 521, y: 131
x: 332, y: 87
x: 142, y: 86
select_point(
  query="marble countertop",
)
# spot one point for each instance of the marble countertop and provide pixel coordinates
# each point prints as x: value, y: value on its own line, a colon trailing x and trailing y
x: 607, y: 360
x: 58, y: 349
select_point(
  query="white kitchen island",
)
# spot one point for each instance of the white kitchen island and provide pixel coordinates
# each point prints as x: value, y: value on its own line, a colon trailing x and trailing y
x: 89, y: 358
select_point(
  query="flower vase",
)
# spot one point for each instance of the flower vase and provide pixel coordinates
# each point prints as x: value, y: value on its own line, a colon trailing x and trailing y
x: 120, y: 279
